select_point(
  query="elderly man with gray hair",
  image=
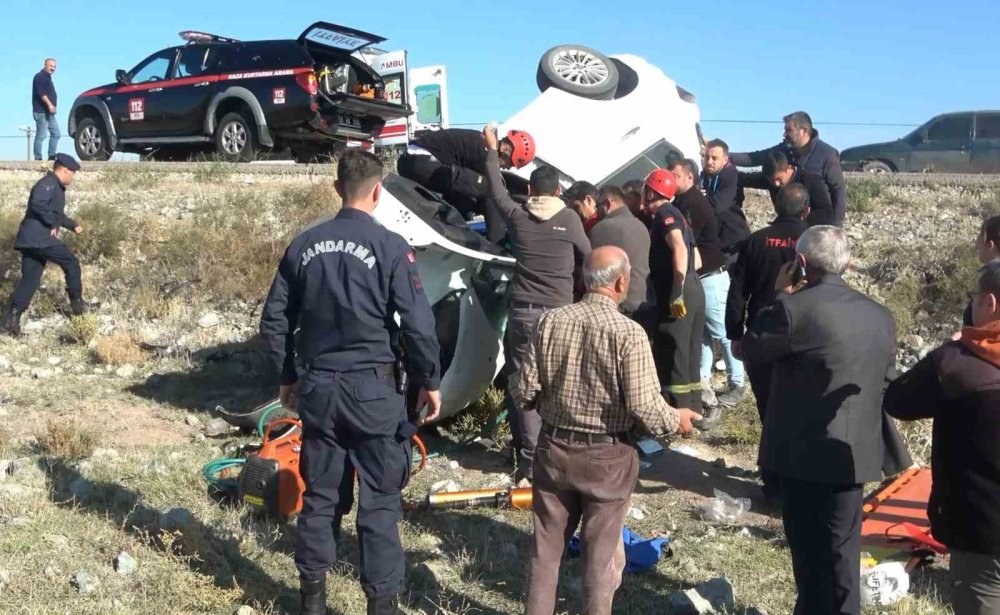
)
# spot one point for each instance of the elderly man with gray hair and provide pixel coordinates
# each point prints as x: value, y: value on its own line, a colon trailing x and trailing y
x: 589, y: 373
x: 830, y: 349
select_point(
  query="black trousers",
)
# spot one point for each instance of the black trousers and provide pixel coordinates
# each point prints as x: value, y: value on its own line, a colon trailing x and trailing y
x: 677, y: 347
x: 823, y: 528
x: 463, y: 188
x: 522, y: 320
x: 353, y: 419
x: 33, y: 262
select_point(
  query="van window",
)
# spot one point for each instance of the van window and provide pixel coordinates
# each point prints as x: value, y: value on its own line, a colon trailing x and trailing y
x: 988, y: 126
x: 656, y: 157
x: 951, y: 128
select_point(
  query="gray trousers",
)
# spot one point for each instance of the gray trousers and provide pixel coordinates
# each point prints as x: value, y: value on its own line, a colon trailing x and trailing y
x: 975, y: 582
x: 524, y: 426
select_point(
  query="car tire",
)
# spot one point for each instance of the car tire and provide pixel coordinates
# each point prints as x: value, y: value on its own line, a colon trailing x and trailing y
x: 876, y: 166
x: 91, y: 140
x: 578, y: 70
x: 235, y: 138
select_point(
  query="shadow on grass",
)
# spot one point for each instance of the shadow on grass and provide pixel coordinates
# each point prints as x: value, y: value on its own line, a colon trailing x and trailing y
x: 199, y: 546
x: 237, y: 376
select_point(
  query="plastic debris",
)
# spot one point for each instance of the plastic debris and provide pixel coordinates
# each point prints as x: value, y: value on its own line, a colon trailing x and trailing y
x: 884, y: 584
x: 723, y: 508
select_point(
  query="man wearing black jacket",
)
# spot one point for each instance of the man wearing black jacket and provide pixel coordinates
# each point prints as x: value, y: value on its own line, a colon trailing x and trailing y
x: 752, y: 278
x: 720, y: 183
x: 779, y: 171
x: 550, y: 246
x: 453, y: 163
x: 830, y: 348
x: 803, y: 146
x: 958, y: 385
x: 38, y: 242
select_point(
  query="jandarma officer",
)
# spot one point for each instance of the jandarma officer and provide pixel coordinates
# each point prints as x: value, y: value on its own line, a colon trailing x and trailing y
x: 38, y: 242
x: 341, y: 283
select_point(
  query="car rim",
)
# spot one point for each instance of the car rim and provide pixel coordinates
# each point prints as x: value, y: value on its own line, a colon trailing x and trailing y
x: 234, y: 138
x: 580, y: 67
x: 90, y: 140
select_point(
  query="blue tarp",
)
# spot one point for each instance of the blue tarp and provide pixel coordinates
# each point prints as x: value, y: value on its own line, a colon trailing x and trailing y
x: 641, y: 554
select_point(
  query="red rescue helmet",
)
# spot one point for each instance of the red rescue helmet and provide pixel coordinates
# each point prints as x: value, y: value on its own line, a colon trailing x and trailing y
x: 662, y: 182
x: 524, y: 148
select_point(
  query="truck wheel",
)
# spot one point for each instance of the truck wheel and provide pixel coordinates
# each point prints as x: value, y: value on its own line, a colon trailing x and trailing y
x: 579, y: 70
x: 91, y: 140
x: 876, y: 166
x: 235, y: 140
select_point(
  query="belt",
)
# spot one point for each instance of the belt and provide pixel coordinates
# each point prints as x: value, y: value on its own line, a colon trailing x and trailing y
x: 721, y: 269
x: 579, y: 437
x: 386, y: 369
x: 524, y: 305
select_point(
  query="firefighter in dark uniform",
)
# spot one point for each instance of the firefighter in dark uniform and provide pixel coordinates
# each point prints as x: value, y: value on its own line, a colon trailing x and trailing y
x: 341, y: 284
x: 751, y: 287
x: 453, y: 163
x: 680, y: 300
x: 38, y: 242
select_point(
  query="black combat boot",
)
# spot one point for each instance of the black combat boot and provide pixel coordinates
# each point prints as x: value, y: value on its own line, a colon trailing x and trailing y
x: 386, y: 605
x: 11, y: 323
x: 711, y: 418
x: 313, y: 593
x: 79, y: 307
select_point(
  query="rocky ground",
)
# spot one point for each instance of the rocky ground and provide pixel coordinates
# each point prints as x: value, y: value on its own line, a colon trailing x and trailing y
x: 105, y: 420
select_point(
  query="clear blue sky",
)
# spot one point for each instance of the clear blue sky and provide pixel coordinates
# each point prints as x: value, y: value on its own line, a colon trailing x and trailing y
x: 892, y: 61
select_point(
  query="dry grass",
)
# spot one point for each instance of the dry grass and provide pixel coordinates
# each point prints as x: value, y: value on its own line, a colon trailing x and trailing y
x: 106, y: 229
x: 67, y: 439
x: 119, y: 349
x: 82, y: 329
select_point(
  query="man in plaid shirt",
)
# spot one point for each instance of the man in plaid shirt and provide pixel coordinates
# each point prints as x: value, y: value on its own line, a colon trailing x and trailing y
x: 589, y: 374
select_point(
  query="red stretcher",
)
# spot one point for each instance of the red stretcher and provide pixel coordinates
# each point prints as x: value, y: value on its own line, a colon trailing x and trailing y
x: 895, y: 520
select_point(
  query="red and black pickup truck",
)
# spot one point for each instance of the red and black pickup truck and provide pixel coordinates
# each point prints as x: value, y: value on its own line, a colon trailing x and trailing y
x: 238, y: 98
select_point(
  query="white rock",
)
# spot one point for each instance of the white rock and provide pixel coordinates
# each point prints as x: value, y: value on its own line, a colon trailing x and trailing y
x: 4, y: 363
x: 125, y: 564
x: 245, y: 610
x: 85, y: 582
x: 126, y: 371
x: 445, y: 486
x: 19, y: 522
x: 53, y: 361
x: 453, y: 465
x: 637, y: 513
x: 209, y: 320
x: 192, y: 421
x: 6, y: 576
x: 42, y: 374
x: 52, y: 571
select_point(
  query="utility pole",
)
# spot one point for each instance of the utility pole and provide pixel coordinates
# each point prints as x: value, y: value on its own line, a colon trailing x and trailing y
x: 28, y: 133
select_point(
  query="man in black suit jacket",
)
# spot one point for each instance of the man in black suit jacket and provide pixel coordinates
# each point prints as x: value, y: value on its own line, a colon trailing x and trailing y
x: 830, y: 348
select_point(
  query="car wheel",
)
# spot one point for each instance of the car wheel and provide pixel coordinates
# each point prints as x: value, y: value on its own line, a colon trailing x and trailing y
x: 876, y: 166
x: 581, y: 71
x: 235, y: 139
x: 91, y: 140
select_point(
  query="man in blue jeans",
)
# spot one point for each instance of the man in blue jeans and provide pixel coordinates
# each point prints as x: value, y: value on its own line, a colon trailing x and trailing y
x: 43, y: 107
x: 715, y: 282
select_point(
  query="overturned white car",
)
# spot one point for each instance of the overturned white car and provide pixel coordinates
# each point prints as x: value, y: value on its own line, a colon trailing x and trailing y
x: 600, y: 119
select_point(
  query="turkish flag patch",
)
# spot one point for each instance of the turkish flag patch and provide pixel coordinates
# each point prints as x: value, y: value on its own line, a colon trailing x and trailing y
x: 410, y: 256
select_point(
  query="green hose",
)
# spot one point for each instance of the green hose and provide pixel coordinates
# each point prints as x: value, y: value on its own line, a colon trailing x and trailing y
x: 268, y: 411
x: 212, y: 471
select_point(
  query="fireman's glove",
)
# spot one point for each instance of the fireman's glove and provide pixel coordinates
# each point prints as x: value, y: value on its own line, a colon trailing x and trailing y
x: 677, y: 308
